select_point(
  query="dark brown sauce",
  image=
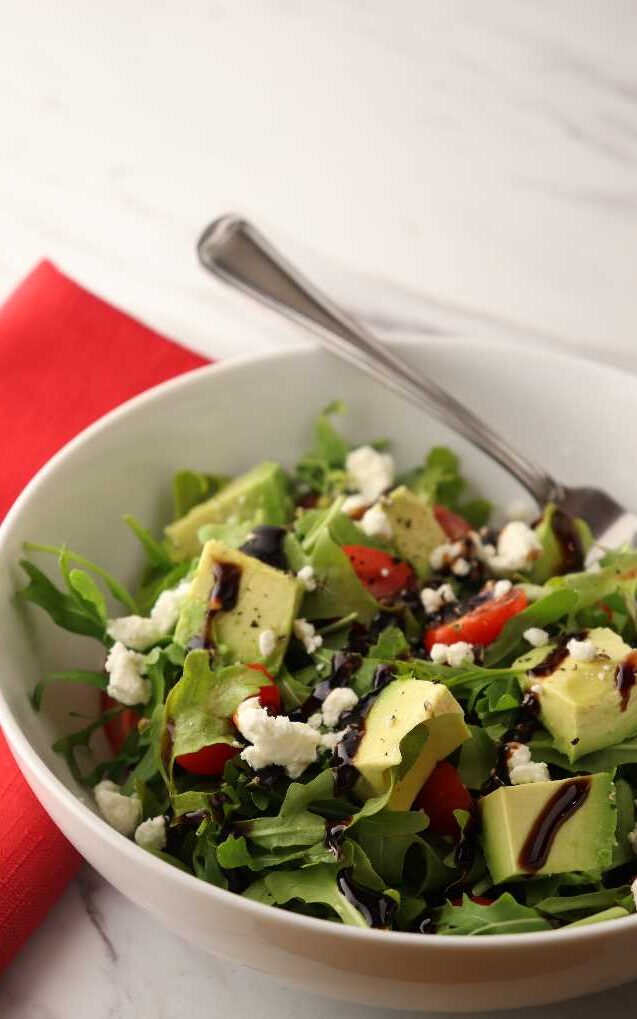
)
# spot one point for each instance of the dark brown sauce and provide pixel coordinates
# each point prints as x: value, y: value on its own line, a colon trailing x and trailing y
x: 223, y: 598
x: 564, y: 802
x: 377, y: 909
x: 335, y: 833
x: 265, y: 543
x: 554, y: 659
x: 625, y: 677
x: 344, y: 665
x: 568, y: 538
x: 525, y: 723
x: 345, y: 773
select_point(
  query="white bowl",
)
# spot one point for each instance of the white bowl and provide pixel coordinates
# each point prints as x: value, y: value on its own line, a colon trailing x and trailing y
x: 577, y: 417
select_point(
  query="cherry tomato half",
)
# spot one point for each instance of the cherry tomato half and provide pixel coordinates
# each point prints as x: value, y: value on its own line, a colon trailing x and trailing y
x: 118, y: 727
x: 442, y: 793
x: 480, y: 625
x: 382, y: 574
x: 209, y: 761
x: 269, y: 696
x: 454, y: 526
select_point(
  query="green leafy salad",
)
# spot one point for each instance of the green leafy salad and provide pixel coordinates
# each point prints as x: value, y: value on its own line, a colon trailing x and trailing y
x: 340, y: 691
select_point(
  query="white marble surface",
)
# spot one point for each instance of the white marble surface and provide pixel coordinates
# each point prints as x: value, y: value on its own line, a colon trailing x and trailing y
x: 440, y: 165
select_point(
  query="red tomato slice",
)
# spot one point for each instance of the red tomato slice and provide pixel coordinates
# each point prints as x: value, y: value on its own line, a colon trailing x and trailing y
x: 454, y: 526
x: 382, y: 574
x: 442, y: 793
x: 208, y: 761
x: 480, y: 625
x: 117, y: 728
x: 269, y: 696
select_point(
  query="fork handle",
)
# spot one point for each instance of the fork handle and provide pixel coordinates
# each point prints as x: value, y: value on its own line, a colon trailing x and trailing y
x: 235, y: 251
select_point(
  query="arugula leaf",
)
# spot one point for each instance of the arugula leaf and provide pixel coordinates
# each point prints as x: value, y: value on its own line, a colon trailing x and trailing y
x: 68, y: 745
x: 387, y: 837
x: 390, y: 644
x: 440, y: 481
x: 566, y: 906
x: 189, y: 488
x: 477, y: 758
x: 117, y: 590
x: 339, y: 591
x: 64, y: 609
x: 96, y: 679
x: 295, y: 824
x: 88, y: 593
x: 504, y: 916
x: 156, y: 552
x: 614, y: 913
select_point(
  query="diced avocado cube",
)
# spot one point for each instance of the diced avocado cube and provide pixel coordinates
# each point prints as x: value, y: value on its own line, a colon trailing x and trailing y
x: 261, y: 496
x: 415, y: 530
x: 267, y: 599
x: 565, y: 541
x: 580, y: 703
x: 549, y: 828
x: 402, y: 706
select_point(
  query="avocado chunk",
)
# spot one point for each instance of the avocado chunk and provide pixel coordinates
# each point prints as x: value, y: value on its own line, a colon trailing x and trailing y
x: 415, y: 530
x: 259, y: 497
x: 581, y: 703
x: 565, y: 542
x: 403, y: 705
x: 265, y: 599
x: 549, y: 828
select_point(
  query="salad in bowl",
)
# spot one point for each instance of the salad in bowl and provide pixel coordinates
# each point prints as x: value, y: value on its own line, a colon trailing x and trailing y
x: 346, y: 693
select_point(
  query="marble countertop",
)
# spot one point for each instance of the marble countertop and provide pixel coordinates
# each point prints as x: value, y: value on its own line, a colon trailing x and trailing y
x: 449, y: 167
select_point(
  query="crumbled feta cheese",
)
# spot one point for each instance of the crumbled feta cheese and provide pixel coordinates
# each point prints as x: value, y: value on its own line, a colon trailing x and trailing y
x: 536, y: 689
x: 633, y: 889
x: 384, y: 572
x: 461, y: 567
x: 267, y: 643
x: 354, y: 504
x: 431, y: 600
x: 307, y: 578
x: 141, y: 632
x: 151, y: 834
x: 126, y: 683
x: 315, y: 720
x: 536, y: 637
x: 439, y: 654
x: 275, y: 739
x: 308, y: 636
x: 581, y: 650
x: 443, y: 554
x: 459, y: 654
x: 341, y: 699
x: 376, y: 524
x: 632, y: 838
x: 501, y: 588
x: 447, y: 594
x: 522, y: 769
x: 123, y: 813
x: 330, y: 739
x: 518, y: 546
x: 521, y: 509
x: 370, y: 472
x: 455, y: 655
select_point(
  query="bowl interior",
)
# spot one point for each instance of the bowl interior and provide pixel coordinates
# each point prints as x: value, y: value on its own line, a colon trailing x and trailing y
x: 557, y: 409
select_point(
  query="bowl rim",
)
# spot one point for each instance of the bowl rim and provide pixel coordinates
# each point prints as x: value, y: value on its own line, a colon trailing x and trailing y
x: 86, y: 817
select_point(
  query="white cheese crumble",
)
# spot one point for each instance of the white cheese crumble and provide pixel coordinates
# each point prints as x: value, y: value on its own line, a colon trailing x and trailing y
x: 522, y: 769
x: 434, y: 598
x: 633, y: 889
x: 341, y: 699
x: 267, y: 643
x: 123, y: 813
x: 151, y: 834
x: 444, y: 554
x: 371, y: 473
x: 376, y: 524
x: 518, y: 546
x: 275, y: 739
x: 307, y: 578
x: 126, y: 683
x: 501, y: 588
x: 354, y: 504
x: 461, y: 567
x: 141, y: 632
x: 308, y: 636
x: 581, y: 650
x: 455, y: 655
x: 536, y: 637
x: 315, y: 720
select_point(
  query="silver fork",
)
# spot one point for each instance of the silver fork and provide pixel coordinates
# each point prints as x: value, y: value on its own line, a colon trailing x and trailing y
x: 235, y: 251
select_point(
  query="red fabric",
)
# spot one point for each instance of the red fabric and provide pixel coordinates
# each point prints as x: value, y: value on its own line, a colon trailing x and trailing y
x: 66, y: 358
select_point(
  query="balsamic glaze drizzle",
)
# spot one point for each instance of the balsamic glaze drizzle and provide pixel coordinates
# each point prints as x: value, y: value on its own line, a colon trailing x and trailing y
x: 524, y: 725
x: 625, y: 677
x: 564, y: 802
x: 377, y: 909
x: 265, y: 543
x: 345, y: 774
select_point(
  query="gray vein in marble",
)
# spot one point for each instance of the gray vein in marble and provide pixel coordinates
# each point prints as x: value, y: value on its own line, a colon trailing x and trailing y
x: 88, y: 886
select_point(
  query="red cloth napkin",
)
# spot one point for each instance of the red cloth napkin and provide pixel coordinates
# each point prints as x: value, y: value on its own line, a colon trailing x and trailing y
x: 66, y: 358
